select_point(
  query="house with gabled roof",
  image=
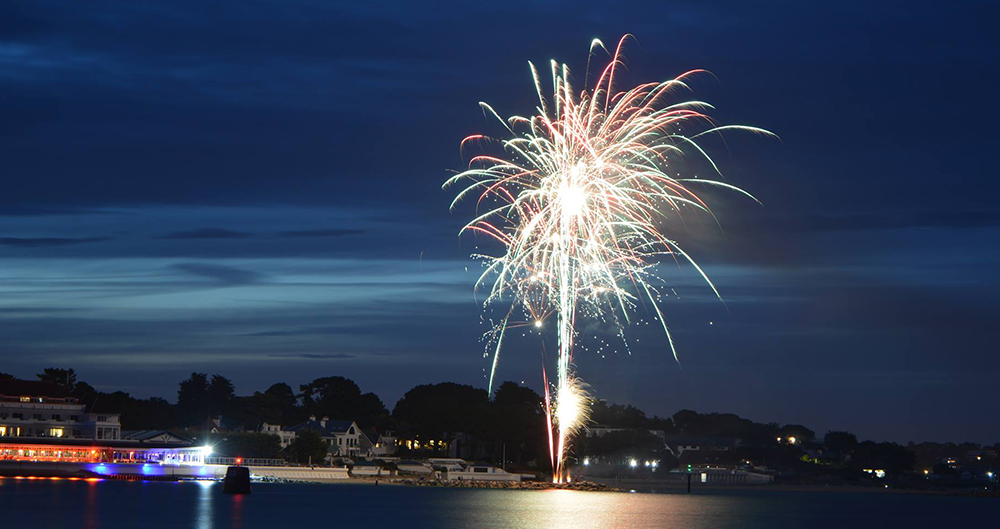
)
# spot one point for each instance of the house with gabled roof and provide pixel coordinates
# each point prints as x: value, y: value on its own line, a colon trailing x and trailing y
x: 343, y: 437
x: 156, y: 436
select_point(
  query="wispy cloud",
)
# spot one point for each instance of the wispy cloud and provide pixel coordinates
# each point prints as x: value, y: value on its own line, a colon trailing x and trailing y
x: 228, y: 275
x: 37, y: 242
x: 207, y: 233
x: 335, y: 232
x: 315, y: 356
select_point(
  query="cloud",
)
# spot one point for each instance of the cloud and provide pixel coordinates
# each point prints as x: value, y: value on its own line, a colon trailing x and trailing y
x: 207, y: 233
x: 315, y: 356
x: 39, y: 242
x: 954, y: 219
x: 334, y: 232
x: 227, y: 275
x: 29, y: 210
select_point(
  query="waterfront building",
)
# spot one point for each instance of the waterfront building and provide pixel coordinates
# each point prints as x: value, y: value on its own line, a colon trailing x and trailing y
x: 414, y: 467
x: 343, y: 437
x: 600, y: 430
x: 380, y: 444
x: 677, y: 445
x: 481, y: 472
x: 41, y: 410
x: 156, y: 436
x: 285, y: 436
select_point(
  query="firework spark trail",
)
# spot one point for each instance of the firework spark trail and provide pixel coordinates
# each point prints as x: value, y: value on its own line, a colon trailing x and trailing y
x: 577, y: 199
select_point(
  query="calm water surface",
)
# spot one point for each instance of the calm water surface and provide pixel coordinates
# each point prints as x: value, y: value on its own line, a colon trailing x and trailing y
x: 112, y: 504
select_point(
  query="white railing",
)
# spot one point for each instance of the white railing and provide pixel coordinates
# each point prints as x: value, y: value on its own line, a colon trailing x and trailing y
x: 246, y: 461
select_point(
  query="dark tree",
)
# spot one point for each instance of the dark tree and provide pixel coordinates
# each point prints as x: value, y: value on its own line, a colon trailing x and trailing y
x: 5, y: 376
x: 519, y: 421
x: 85, y: 393
x: 799, y: 432
x: 282, y: 402
x: 840, y: 442
x: 712, y: 424
x: 341, y: 398
x: 627, y: 416
x: 277, y: 405
x: 891, y: 457
x: 220, y: 395
x: 247, y: 445
x: 308, y: 446
x: 193, y: 400
x: 622, y: 443
x: 65, y: 378
x: 434, y: 410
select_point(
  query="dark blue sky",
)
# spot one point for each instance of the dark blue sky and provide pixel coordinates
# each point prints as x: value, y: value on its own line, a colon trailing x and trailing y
x: 253, y: 188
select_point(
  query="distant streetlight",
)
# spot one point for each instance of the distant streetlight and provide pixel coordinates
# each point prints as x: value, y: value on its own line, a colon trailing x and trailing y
x: 633, y: 463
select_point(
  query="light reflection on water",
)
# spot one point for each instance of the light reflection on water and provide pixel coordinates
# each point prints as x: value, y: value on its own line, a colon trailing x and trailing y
x: 154, y: 505
x: 203, y: 505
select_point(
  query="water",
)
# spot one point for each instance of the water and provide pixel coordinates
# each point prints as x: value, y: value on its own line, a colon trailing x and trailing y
x: 114, y: 504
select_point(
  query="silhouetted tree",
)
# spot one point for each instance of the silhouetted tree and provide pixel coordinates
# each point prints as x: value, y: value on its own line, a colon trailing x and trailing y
x: 627, y: 416
x: 840, y: 442
x: 277, y: 405
x: 193, y: 400
x: 308, y: 445
x: 799, y: 432
x: 433, y: 410
x: 281, y: 404
x: 519, y: 421
x: 891, y: 457
x: 341, y: 398
x: 712, y: 424
x: 637, y: 443
x: 65, y: 378
x: 250, y: 445
x: 220, y: 395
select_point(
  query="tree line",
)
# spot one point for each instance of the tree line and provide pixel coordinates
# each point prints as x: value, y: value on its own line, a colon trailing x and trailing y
x: 509, y: 421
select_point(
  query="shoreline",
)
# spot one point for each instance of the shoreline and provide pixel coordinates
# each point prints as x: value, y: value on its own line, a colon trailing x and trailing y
x: 585, y: 485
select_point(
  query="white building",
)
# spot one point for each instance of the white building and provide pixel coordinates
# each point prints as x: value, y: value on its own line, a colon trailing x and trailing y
x: 600, y: 430
x: 678, y: 445
x: 343, y: 437
x: 383, y: 444
x: 286, y: 436
x: 40, y: 410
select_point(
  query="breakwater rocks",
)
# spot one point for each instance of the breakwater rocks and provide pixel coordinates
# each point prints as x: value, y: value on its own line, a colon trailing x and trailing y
x: 510, y: 485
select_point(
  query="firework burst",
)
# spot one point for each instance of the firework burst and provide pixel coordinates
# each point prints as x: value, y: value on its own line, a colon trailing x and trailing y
x: 577, y: 195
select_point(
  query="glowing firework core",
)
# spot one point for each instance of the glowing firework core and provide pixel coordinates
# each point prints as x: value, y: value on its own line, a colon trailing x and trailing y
x: 577, y: 200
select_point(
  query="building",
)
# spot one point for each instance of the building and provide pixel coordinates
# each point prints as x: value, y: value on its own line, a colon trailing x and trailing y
x: 678, y: 445
x: 156, y: 436
x: 600, y: 430
x: 414, y: 468
x: 383, y: 444
x: 343, y: 437
x: 285, y: 436
x: 42, y: 410
x: 482, y: 472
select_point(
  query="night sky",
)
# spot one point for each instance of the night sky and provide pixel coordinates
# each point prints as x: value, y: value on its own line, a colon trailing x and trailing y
x: 254, y: 189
